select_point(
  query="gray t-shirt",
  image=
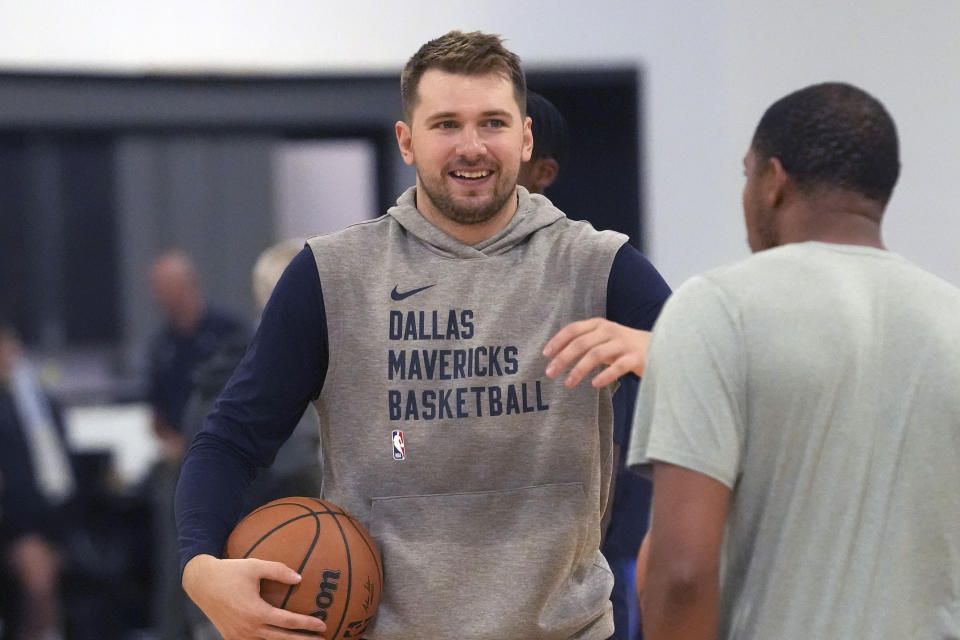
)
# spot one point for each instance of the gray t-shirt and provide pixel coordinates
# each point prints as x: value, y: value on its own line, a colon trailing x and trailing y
x: 821, y: 383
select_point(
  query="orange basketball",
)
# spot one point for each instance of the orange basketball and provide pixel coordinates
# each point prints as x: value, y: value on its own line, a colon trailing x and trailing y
x: 340, y: 564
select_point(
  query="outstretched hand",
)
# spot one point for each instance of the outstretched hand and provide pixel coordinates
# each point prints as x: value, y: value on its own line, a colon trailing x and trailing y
x: 592, y: 343
x: 228, y: 592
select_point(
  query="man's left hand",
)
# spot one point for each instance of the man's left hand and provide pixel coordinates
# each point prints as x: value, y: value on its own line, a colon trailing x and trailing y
x: 592, y: 343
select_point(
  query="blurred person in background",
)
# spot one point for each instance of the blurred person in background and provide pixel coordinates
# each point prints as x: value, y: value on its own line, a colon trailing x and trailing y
x: 193, y: 331
x: 36, y: 485
x: 551, y: 144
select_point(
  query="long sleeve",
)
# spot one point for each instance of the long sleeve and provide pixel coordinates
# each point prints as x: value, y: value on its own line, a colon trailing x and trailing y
x: 281, y: 372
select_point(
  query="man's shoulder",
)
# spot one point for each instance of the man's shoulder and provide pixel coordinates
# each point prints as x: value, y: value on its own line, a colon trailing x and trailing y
x: 813, y: 275
x: 557, y: 220
x: 718, y: 279
x: 583, y: 235
x: 757, y: 270
x: 352, y: 240
x: 824, y: 262
x: 358, y: 230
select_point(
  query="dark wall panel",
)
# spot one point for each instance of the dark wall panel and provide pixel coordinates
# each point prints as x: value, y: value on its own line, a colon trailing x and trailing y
x: 601, y: 181
x: 14, y: 278
x: 117, y: 154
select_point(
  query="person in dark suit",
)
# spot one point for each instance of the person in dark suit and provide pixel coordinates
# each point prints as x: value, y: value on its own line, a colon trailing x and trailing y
x: 36, y: 485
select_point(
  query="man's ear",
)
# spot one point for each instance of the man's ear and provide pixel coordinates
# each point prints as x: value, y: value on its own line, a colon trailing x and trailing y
x: 775, y: 181
x: 544, y: 173
x: 404, y: 141
x: 526, y: 149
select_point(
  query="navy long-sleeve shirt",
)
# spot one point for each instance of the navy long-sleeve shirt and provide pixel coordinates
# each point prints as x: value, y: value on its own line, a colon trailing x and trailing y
x: 284, y: 369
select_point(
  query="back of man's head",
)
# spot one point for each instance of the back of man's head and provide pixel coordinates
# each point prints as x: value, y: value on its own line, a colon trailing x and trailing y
x: 551, y: 135
x: 832, y: 135
x: 551, y: 144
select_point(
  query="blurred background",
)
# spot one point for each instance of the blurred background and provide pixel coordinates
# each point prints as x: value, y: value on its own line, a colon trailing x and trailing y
x: 219, y: 128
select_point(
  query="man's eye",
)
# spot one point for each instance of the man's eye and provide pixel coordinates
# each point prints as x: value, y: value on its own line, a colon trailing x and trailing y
x: 496, y: 124
x: 447, y: 124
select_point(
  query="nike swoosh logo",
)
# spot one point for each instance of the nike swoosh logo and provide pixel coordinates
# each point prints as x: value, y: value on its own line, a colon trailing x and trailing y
x: 396, y: 295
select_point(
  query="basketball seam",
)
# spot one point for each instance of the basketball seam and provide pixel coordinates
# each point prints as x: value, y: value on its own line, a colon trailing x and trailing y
x: 346, y: 546
x: 364, y: 535
x: 373, y: 553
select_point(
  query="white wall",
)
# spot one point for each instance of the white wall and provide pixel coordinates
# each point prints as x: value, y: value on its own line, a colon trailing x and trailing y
x: 339, y: 173
x: 907, y: 54
x: 711, y: 68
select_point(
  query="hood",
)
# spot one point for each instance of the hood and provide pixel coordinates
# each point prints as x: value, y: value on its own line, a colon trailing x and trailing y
x: 534, y: 212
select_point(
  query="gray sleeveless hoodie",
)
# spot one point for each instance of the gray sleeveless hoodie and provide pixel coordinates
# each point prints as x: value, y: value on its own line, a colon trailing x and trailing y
x: 482, y: 481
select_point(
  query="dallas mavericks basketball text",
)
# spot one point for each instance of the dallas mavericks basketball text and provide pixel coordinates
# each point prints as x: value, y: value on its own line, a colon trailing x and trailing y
x: 470, y: 363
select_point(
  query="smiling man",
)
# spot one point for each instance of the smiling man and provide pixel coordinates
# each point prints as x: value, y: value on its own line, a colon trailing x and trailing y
x: 420, y: 336
x: 467, y: 147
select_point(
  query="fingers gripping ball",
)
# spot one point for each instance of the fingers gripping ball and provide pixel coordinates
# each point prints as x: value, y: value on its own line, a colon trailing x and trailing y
x: 340, y: 564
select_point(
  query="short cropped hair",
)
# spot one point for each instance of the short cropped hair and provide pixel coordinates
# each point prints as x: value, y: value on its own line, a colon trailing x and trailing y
x: 832, y: 135
x: 551, y: 134
x: 473, y: 53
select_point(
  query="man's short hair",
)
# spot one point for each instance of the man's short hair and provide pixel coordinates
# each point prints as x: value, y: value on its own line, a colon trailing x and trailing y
x: 832, y: 135
x: 551, y: 134
x: 473, y: 53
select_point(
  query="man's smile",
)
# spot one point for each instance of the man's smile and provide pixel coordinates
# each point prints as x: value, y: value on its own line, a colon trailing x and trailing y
x: 471, y: 175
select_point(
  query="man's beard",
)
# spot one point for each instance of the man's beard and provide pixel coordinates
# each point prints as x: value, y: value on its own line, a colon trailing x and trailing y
x: 443, y: 200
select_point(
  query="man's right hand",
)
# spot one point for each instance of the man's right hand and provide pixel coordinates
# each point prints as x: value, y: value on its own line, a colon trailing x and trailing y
x: 228, y: 592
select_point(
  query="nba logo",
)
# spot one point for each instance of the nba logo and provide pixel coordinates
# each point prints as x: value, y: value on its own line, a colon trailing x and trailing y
x: 399, y: 451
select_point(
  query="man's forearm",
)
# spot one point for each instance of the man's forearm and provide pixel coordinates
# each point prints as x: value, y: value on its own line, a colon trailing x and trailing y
x: 676, y: 608
x: 681, y: 593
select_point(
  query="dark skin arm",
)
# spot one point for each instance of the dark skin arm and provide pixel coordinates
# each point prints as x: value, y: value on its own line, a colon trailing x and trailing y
x: 681, y: 588
x: 643, y: 556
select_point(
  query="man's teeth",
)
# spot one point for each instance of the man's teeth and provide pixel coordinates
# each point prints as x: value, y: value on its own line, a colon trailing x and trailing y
x: 471, y: 174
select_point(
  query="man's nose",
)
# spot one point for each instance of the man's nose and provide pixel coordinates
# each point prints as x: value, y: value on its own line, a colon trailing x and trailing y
x: 471, y: 145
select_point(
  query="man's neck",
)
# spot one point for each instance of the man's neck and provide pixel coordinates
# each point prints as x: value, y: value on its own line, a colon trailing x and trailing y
x: 837, y: 217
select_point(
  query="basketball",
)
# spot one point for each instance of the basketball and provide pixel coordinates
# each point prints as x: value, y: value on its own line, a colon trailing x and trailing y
x: 340, y: 564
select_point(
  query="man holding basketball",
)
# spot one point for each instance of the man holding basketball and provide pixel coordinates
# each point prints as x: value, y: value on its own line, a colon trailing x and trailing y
x: 800, y: 408
x: 429, y: 331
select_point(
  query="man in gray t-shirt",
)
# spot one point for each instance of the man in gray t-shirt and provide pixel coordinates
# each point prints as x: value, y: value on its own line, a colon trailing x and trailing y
x: 800, y: 408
